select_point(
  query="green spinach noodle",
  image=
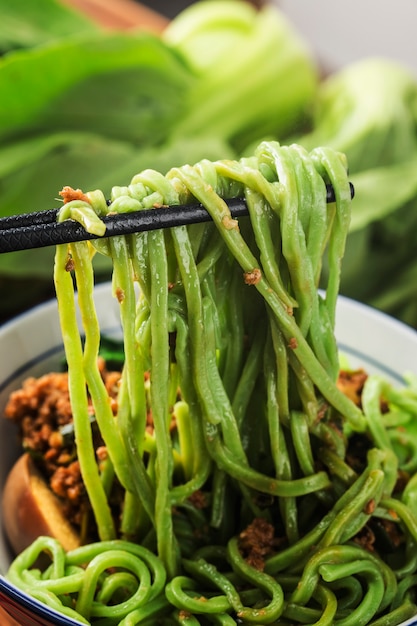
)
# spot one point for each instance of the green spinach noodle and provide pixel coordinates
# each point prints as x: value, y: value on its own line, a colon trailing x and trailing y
x: 262, y: 494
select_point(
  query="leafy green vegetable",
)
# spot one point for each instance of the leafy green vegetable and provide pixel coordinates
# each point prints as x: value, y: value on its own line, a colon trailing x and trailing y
x: 129, y: 86
x: 81, y: 111
x: 368, y: 110
x: 87, y: 108
x: 257, y: 76
x: 380, y: 266
x: 380, y: 190
x: 28, y: 23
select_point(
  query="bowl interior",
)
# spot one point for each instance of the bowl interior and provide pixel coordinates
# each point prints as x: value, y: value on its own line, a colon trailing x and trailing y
x: 31, y: 345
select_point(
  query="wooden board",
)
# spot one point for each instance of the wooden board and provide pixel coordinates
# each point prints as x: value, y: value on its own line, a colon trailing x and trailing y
x: 121, y: 14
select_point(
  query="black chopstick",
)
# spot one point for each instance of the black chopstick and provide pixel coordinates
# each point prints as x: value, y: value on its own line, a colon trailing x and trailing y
x: 40, y: 229
x: 41, y: 234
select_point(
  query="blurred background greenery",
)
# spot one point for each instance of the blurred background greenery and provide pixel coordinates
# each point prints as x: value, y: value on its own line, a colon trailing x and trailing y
x: 86, y: 104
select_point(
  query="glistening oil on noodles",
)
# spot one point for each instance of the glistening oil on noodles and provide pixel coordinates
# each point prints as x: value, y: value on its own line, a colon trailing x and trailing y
x: 262, y: 494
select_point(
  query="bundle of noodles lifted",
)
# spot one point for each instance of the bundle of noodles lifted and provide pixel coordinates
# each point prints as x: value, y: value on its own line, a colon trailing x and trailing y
x: 236, y: 482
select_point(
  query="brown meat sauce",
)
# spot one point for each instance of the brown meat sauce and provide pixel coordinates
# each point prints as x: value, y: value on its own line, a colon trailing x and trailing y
x: 42, y: 411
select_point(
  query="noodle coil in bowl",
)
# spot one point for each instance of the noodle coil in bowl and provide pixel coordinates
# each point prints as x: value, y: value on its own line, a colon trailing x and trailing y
x: 368, y: 338
x: 254, y: 462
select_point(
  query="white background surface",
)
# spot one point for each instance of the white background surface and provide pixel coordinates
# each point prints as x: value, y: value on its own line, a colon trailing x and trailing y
x: 341, y: 32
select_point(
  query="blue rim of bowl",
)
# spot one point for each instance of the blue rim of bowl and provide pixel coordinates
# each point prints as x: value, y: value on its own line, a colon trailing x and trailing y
x: 19, y: 605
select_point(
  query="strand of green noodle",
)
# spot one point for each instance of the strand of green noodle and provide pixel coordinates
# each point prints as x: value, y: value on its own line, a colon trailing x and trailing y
x: 337, y: 466
x: 248, y: 376
x: 206, y: 573
x: 303, y: 262
x: 272, y: 407
x: 371, y: 403
x: 88, y: 607
x: 353, y: 516
x: 227, y: 421
x: 352, y: 552
x: 213, y: 252
x: 229, y: 231
x: 222, y: 619
x: 335, y: 168
x: 408, y: 443
x: 179, y: 592
x: 84, y: 213
x: 409, y: 563
x: 133, y: 373
x: 52, y: 601
x: 260, y: 196
x: 299, y: 368
x: 271, y: 611
x: 101, y: 401
x: 282, y: 369
x: 137, y: 244
x: 409, y: 495
x: 167, y: 545
x: 279, y: 451
x: 295, y: 553
x: 293, y: 239
x: 153, y: 609
x: 183, y: 423
x: 232, y: 353
x: 321, y: 337
x: 191, y: 285
x: 404, y: 398
x: 262, y: 482
x: 316, y: 224
x: 229, y: 429
x: 301, y: 440
x: 328, y: 612
x: 404, y: 513
x: 330, y: 437
x: 182, y: 617
x: 107, y: 475
x: 28, y: 557
x: 124, y: 581
x: 305, y: 389
x: 403, y: 589
x: 212, y: 396
x: 65, y: 575
x: 397, y: 616
x: 78, y: 394
x: 351, y: 592
x: 138, y: 507
x: 131, y: 417
x: 338, y: 562
x: 370, y: 603
x: 318, y: 230
x: 202, y: 461
x: 288, y: 506
x: 86, y: 553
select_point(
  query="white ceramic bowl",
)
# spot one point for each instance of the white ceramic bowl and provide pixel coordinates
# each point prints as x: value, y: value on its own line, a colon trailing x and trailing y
x: 31, y: 345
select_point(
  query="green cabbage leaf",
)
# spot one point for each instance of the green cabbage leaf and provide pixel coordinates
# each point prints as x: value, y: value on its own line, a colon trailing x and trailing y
x: 368, y: 110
